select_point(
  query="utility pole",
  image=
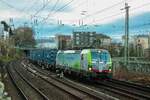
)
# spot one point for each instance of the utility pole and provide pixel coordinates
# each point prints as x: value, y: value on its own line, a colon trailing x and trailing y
x: 148, y: 40
x: 126, y: 43
x: 11, y: 22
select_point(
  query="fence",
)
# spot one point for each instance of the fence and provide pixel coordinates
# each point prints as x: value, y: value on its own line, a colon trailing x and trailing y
x: 135, y: 64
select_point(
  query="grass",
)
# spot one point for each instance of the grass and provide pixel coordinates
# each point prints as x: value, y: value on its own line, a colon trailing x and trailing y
x: 122, y: 73
x: 5, y: 59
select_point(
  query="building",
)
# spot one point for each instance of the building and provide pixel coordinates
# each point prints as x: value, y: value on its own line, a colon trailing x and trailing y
x: 64, y: 42
x: 102, y: 41
x: 83, y: 39
x: 90, y: 40
x: 147, y: 53
x: 141, y: 42
x: 1, y: 31
x: 46, y: 42
x: 4, y: 33
x: 58, y: 41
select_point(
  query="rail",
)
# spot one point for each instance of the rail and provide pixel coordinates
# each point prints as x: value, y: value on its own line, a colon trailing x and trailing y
x: 29, y: 86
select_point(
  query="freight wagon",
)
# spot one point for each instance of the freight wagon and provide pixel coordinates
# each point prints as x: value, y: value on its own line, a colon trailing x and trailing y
x: 45, y: 57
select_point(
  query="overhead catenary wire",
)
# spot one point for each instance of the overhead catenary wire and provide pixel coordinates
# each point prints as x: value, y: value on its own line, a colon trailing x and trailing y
x: 59, y: 9
x: 23, y: 10
x: 44, y: 19
x: 11, y: 6
x: 104, y: 18
x: 32, y: 5
x: 19, y: 10
x: 117, y: 14
x: 100, y: 11
x: 103, y: 10
x: 16, y: 9
x: 132, y: 10
x: 138, y: 7
x: 80, y: 4
x: 42, y: 8
x: 52, y: 9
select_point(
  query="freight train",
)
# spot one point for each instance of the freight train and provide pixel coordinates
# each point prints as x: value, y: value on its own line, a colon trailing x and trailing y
x: 43, y: 57
x: 91, y: 63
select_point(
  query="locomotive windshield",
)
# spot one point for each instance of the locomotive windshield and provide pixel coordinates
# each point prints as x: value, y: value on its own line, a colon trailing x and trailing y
x: 102, y: 56
x: 94, y: 55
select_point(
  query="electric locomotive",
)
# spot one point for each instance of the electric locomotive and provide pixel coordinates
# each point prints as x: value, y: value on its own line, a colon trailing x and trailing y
x: 93, y: 63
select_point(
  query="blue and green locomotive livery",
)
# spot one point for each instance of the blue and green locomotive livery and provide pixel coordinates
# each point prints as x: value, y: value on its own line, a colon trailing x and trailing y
x: 87, y: 62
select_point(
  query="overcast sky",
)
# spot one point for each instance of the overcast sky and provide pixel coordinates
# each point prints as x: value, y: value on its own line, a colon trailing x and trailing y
x: 105, y: 14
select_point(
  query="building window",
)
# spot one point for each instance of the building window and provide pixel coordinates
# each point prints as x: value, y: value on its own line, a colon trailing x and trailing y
x: 77, y: 34
x: 77, y: 38
x: 138, y: 40
x: 91, y: 34
x: 77, y: 42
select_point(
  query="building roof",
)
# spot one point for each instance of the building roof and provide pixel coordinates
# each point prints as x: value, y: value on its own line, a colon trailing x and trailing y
x: 148, y: 49
x: 143, y: 35
x: 100, y: 35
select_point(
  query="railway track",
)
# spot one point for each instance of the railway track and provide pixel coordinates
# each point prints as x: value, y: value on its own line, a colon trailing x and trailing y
x: 133, y: 85
x: 129, y: 92
x: 52, y: 92
x: 83, y: 93
x: 28, y: 90
x: 122, y: 88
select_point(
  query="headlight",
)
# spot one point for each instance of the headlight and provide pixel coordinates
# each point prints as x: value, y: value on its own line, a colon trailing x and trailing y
x: 90, y: 69
x: 109, y: 70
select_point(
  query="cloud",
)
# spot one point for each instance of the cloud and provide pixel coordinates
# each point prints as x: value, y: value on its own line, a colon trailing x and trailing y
x: 6, y: 14
x: 28, y: 7
x: 112, y: 26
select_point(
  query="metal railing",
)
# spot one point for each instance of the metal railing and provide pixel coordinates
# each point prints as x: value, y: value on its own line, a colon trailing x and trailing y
x: 135, y: 64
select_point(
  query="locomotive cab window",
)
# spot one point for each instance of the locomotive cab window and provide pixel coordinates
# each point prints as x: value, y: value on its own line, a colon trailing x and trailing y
x: 81, y: 56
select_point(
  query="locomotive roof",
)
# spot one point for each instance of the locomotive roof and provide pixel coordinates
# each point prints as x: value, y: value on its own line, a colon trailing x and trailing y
x: 79, y: 51
x: 69, y: 51
x: 44, y: 49
x: 96, y: 50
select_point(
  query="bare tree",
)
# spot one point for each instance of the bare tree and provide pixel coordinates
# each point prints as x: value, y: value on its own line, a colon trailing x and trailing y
x: 23, y: 37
